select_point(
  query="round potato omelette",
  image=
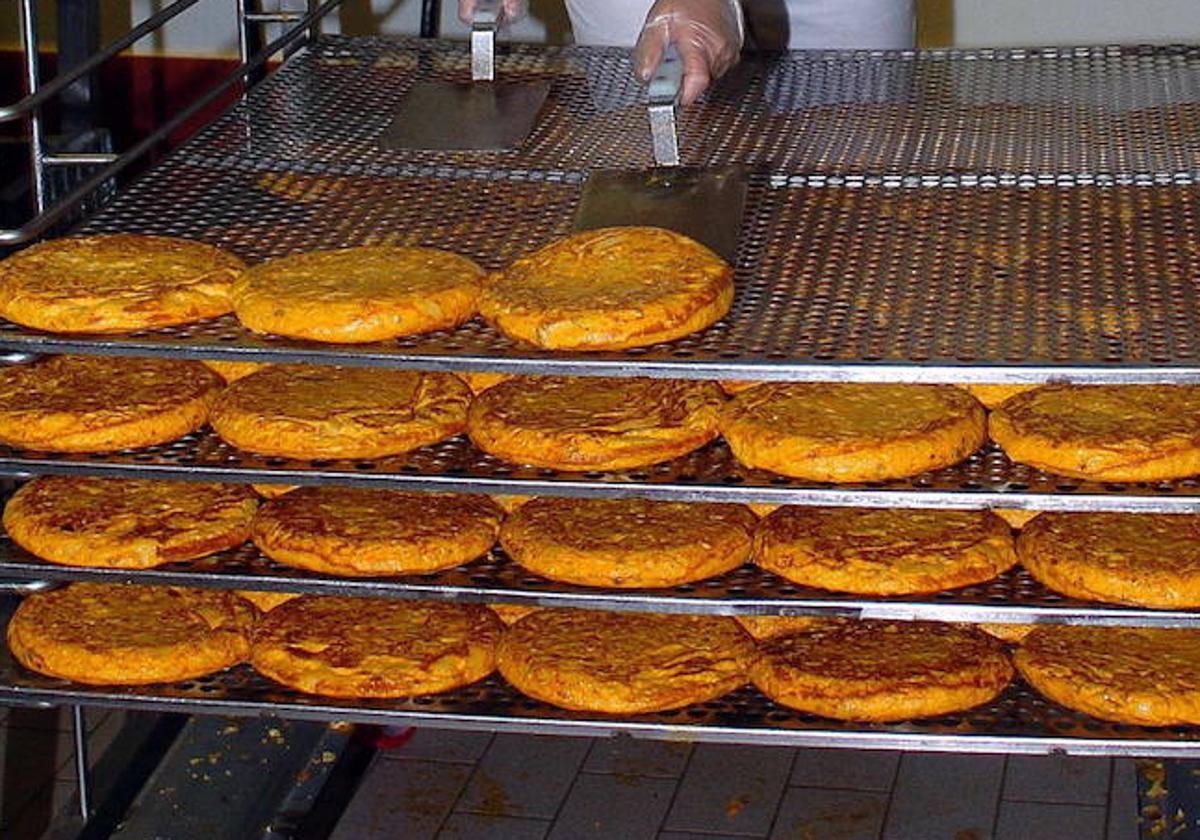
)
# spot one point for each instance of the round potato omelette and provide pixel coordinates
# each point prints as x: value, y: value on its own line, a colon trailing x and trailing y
x: 127, y: 523
x: 882, y: 670
x: 594, y: 423
x: 375, y: 647
x: 1141, y: 675
x: 627, y: 542
x: 305, y: 411
x: 1104, y: 432
x: 123, y: 634
x: 101, y: 404
x: 609, y: 289
x: 349, y: 531
x: 625, y: 663
x: 117, y: 283
x: 232, y: 371
x: 852, y: 432
x: 357, y: 295
x: 889, y: 551
x: 1145, y: 559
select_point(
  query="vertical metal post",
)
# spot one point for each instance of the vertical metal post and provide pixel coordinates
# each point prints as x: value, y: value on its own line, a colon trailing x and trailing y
x: 82, y: 773
x: 29, y: 43
x: 431, y: 18
x: 78, y: 38
x: 314, y: 31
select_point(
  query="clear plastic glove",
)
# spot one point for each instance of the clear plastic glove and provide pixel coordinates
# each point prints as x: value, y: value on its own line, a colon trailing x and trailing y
x: 510, y: 10
x: 707, y: 33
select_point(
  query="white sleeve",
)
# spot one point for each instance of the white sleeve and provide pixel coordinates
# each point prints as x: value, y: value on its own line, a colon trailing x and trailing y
x: 831, y: 24
x: 607, y: 23
x: 776, y: 24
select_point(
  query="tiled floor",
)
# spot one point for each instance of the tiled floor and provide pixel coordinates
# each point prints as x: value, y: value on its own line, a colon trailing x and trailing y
x: 445, y: 785
x: 471, y: 786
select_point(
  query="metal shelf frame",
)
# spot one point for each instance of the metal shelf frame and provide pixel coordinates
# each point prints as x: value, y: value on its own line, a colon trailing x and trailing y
x: 107, y: 166
x: 987, y: 479
x: 1019, y: 721
x: 1011, y: 598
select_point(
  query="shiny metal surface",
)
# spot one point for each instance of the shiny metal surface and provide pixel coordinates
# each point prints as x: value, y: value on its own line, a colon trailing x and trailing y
x: 1019, y: 721
x: 837, y: 279
x: 1014, y: 597
x: 986, y: 479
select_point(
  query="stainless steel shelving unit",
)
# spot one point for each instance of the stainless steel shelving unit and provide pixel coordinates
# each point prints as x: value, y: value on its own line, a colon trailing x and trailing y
x: 944, y: 216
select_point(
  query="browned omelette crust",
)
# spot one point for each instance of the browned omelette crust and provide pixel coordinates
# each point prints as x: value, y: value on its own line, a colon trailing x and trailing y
x: 232, y: 371
x: 273, y: 491
x: 349, y: 531
x: 114, y: 284
x: 374, y: 647
x: 625, y: 663
x: 992, y: 395
x: 1140, y: 675
x: 480, y: 381
x: 1150, y: 560
x: 356, y: 295
x: 1104, y: 432
x: 107, y: 634
x: 1011, y: 633
x: 127, y: 523
x: 1016, y: 519
x: 627, y: 543
x: 769, y: 626
x: 609, y: 289
x: 512, y: 613
x: 303, y: 411
x: 594, y: 423
x: 851, y: 431
x: 265, y: 601
x: 99, y: 404
x: 882, y: 670
x: 889, y: 551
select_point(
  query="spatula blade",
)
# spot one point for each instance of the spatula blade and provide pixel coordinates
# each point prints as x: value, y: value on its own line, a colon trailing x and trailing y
x: 705, y: 204
x: 481, y: 116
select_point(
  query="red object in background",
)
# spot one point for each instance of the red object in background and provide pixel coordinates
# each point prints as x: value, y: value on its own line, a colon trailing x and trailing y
x: 137, y: 92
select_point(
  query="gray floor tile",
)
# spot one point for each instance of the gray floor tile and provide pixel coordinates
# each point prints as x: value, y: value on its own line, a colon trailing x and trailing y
x: 1057, y: 778
x: 818, y: 814
x: 30, y: 761
x: 624, y: 756
x: 688, y: 835
x: 524, y: 776
x: 408, y: 799
x: 1048, y: 821
x: 944, y: 796
x: 731, y: 789
x: 1123, y: 801
x: 603, y: 807
x: 37, y: 815
x: 442, y: 745
x: 483, y: 827
x: 849, y: 769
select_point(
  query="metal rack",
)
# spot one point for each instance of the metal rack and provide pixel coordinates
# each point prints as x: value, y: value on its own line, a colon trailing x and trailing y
x: 1019, y: 721
x: 986, y: 479
x: 950, y: 239
x: 1012, y: 597
x: 952, y: 216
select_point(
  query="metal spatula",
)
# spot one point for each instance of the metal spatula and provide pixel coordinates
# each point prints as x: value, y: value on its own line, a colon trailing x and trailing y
x: 484, y: 115
x: 705, y: 204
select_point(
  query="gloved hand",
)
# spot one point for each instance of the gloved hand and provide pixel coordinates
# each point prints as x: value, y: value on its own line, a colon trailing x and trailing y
x: 707, y: 33
x: 510, y: 10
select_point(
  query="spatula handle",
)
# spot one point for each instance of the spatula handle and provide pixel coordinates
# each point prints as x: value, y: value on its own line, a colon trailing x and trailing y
x: 483, y: 40
x: 667, y: 79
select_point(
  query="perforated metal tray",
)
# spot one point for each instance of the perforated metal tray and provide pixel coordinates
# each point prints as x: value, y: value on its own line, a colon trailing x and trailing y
x: 1014, y: 597
x: 1098, y: 110
x: 986, y: 479
x: 971, y: 275
x: 1019, y: 721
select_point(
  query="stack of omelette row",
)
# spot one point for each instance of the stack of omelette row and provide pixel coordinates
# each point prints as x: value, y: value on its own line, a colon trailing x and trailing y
x: 827, y: 432
x: 601, y: 662
x: 1147, y: 560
